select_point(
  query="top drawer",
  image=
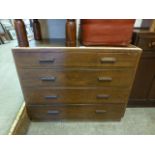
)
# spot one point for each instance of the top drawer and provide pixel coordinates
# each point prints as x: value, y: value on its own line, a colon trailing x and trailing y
x: 33, y: 58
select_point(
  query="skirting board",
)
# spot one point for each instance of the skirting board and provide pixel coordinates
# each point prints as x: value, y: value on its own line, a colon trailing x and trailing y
x: 21, y: 123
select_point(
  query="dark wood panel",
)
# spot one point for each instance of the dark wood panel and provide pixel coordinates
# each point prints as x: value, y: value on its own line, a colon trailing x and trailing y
x: 94, y: 112
x: 146, y: 40
x: 147, y: 43
x: 152, y: 91
x: 142, y: 88
x: 141, y: 103
x: 74, y: 58
x: 143, y: 79
x: 79, y: 77
x: 77, y: 95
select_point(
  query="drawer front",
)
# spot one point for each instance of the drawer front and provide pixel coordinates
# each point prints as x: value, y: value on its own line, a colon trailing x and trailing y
x: 146, y: 43
x: 94, y: 112
x: 68, y: 77
x: 81, y: 95
x: 75, y: 59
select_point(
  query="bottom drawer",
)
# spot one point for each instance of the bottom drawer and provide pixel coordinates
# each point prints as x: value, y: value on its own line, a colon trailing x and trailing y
x: 76, y: 112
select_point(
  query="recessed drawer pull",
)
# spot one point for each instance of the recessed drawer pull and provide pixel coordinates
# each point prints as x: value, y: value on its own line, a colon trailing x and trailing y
x: 51, y: 97
x: 108, y: 60
x: 48, y: 78
x: 105, y: 96
x: 106, y: 79
x: 152, y: 44
x: 53, y: 112
x: 47, y: 61
x: 100, y: 111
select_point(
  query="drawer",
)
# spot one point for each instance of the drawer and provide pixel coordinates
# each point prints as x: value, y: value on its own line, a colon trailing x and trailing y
x: 74, y: 58
x: 72, y: 77
x: 77, y: 95
x: 91, y: 112
x: 146, y: 43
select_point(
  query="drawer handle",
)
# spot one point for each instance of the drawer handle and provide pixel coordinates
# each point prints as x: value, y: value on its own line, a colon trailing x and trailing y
x: 152, y: 44
x: 53, y: 112
x: 105, y: 96
x: 100, y: 111
x: 47, y: 61
x: 105, y: 79
x: 51, y: 97
x: 48, y: 78
x: 108, y: 60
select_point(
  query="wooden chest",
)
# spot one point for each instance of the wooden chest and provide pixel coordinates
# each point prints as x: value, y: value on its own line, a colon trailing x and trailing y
x: 86, y: 83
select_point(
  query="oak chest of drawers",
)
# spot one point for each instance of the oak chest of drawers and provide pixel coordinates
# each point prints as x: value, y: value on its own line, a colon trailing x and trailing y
x: 86, y: 83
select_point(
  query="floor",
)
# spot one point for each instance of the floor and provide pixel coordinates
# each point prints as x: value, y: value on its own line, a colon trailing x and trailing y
x: 10, y: 92
x: 137, y: 121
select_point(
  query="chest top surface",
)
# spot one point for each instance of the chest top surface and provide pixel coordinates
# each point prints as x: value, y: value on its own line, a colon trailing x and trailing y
x: 58, y: 45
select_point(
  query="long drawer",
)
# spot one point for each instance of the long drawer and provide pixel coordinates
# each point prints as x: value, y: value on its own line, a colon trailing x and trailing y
x: 77, y: 95
x: 75, y: 58
x: 93, y: 112
x: 72, y: 77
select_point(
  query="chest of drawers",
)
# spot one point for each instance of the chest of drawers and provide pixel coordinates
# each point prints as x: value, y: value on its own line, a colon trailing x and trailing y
x: 86, y: 83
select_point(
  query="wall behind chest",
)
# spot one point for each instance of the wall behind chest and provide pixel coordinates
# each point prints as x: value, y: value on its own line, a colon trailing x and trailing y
x: 53, y: 28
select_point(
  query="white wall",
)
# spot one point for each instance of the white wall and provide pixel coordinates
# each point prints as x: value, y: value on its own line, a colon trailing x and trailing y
x: 138, y: 23
x: 53, y: 28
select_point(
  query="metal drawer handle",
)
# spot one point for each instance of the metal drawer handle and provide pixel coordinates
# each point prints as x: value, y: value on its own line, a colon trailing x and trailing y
x: 104, y: 96
x: 108, y: 60
x: 47, y: 61
x: 100, y: 111
x: 106, y: 79
x: 53, y: 112
x: 152, y: 44
x: 51, y: 97
x: 48, y: 78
